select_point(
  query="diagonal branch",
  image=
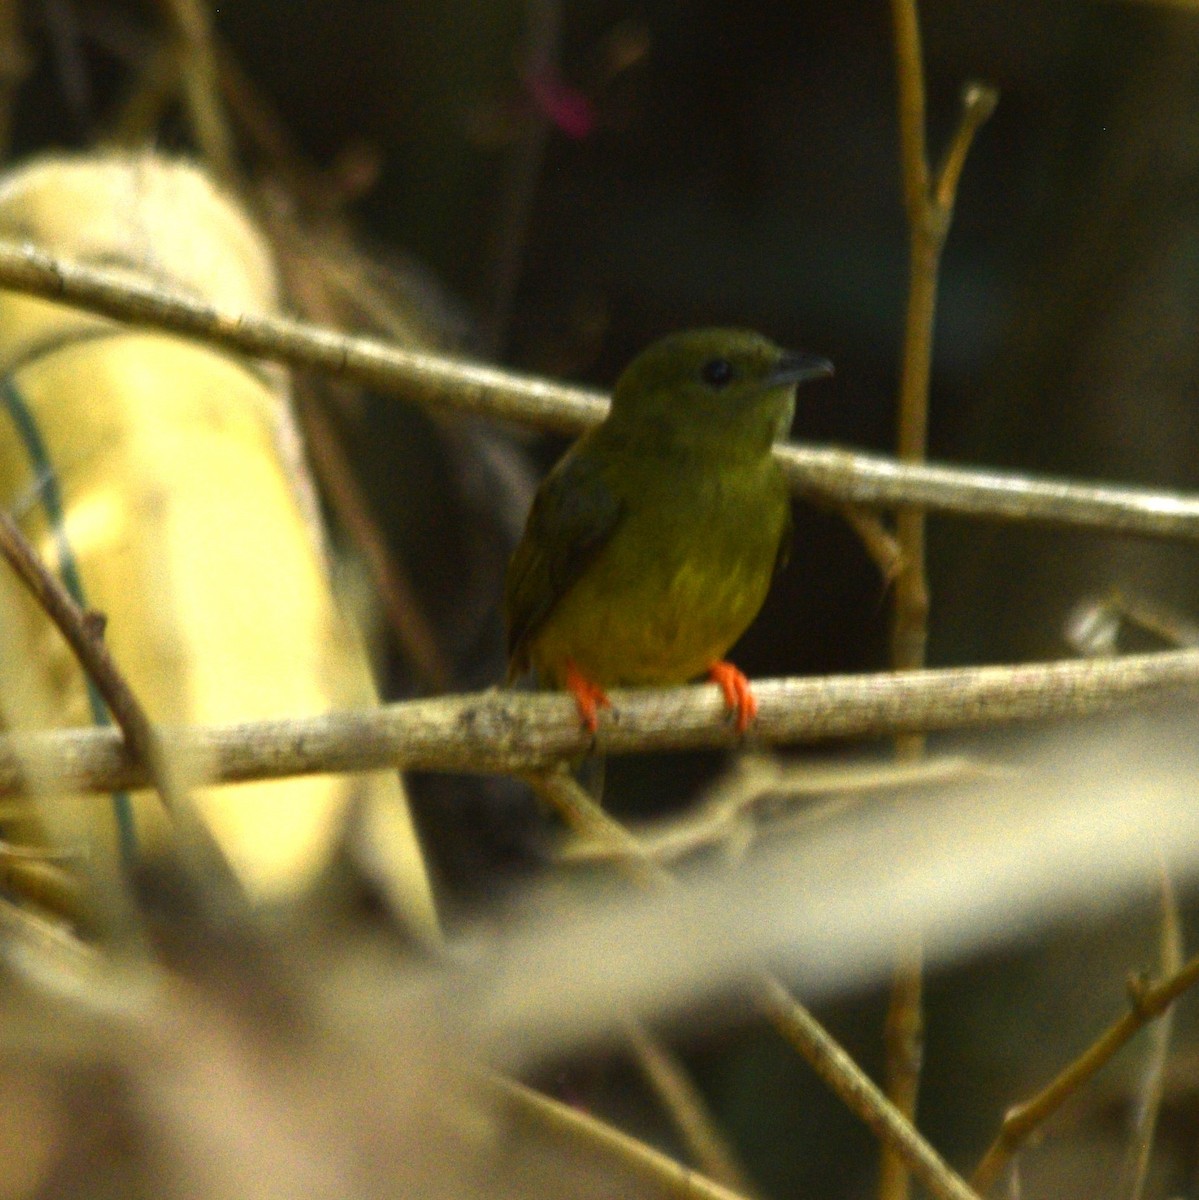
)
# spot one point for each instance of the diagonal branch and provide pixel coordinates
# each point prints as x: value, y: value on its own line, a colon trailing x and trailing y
x: 83, y: 632
x: 139, y: 744
x: 839, y: 475
x: 1146, y: 1004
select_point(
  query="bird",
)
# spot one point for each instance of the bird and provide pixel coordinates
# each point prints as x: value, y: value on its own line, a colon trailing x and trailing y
x: 652, y: 543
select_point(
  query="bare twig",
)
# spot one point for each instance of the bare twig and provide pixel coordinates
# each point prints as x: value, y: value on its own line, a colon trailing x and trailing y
x: 1149, y: 1103
x: 1146, y: 1003
x: 859, y: 1093
x: 868, y: 479
x: 83, y: 632
x: 404, y: 613
x: 589, y: 820
x: 506, y: 732
x: 673, y: 1177
x: 514, y: 210
x: 200, y: 82
x: 49, y: 941
x: 726, y: 815
x: 1095, y: 624
x: 978, y: 103
x: 929, y: 202
x: 153, y: 88
x: 436, y: 380
x: 140, y: 743
x: 682, y: 1100
x: 834, y: 1066
x: 41, y: 854
x: 903, y: 1040
x: 880, y: 543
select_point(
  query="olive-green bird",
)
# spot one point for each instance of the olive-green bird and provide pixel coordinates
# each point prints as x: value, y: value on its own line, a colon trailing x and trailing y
x: 650, y: 547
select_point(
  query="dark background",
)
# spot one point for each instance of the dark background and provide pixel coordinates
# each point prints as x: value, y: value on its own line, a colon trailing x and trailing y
x: 743, y: 168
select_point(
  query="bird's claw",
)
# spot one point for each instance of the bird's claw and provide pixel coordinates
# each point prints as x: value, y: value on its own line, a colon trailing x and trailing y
x: 589, y: 697
x: 738, y: 695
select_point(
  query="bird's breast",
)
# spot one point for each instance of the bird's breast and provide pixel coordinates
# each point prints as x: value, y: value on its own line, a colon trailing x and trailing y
x: 681, y: 578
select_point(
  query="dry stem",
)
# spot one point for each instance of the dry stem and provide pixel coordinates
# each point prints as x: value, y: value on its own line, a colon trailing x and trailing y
x: 83, y: 632
x: 1146, y: 1003
x: 678, y: 1095
x: 140, y: 745
x: 505, y: 732
x: 200, y: 83
x: 834, y: 1066
x: 1149, y: 1103
x: 673, y: 1176
x: 839, y: 475
x: 929, y: 204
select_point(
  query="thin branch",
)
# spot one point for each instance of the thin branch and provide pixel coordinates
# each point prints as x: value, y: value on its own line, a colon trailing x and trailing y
x: 834, y: 1066
x: 670, y: 1082
x: 909, y: 58
x: 674, y: 1178
x: 512, y: 732
x: 726, y: 815
x: 1095, y: 624
x: 1146, y: 1003
x: 515, y: 204
x: 200, y: 83
x: 140, y: 743
x: 41, y: 854
x: 154, y: 85
x: 880, y: 543
x: 413, y: 631
x: 589, y: 820
x: 425, y: 378
x: 929, y: 204
x: 83, y: 632
x: 1149, y: 1103
x: 682, y: 1100
x: 840, y: 475
x: 853, y: 477
x: 903, y: 1042
x: 978, y: 103
x: 859, y: 1093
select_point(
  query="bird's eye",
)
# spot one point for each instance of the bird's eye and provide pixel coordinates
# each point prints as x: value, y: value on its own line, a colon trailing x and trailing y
x: 717, y: 372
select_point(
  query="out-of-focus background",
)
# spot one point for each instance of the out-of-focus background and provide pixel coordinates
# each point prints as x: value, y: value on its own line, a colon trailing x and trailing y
x: 552, y: 186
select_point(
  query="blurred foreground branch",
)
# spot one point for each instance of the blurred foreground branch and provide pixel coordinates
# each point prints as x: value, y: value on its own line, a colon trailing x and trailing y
x: 673, y: 1177
x: 506, y: 731
x: 791, y: 1019
x: 840, y: 475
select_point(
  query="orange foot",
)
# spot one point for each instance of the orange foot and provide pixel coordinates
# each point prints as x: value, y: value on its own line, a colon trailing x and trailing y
x: 589, y: 697
x: 738, y: 695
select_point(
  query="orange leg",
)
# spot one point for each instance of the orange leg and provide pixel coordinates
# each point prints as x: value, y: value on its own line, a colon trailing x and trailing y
x: 589, y: 697
x: 738, y: 695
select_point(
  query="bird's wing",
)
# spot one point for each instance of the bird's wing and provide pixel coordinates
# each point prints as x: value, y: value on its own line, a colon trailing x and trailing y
x: 783, y: 554
x: 573, y: 516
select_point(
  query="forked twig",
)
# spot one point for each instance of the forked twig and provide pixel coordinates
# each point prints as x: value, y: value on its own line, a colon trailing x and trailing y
x: 929, y: 201
x: 1146, y: 1002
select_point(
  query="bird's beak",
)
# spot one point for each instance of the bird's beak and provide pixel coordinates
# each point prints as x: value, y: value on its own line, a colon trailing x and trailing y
x: 794, y: 367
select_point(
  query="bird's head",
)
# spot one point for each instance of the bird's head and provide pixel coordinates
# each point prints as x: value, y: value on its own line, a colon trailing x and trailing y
x: 718, y: 379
